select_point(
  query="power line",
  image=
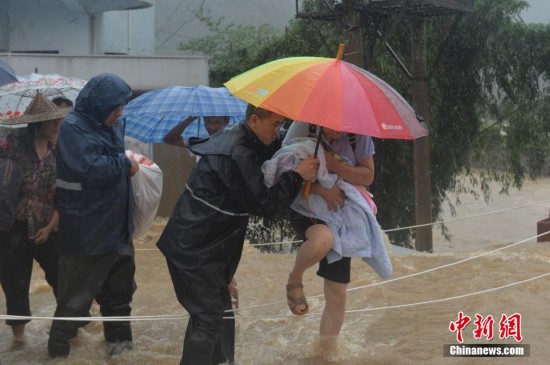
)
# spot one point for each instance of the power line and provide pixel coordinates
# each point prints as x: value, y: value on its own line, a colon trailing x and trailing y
x: 182, y: 25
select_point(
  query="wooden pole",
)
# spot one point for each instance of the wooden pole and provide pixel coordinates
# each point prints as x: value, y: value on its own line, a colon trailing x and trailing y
x: 353, y: 35
x: 422, y: 163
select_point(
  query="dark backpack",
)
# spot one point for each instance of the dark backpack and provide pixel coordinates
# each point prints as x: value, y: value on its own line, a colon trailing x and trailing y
x: 11, y: 177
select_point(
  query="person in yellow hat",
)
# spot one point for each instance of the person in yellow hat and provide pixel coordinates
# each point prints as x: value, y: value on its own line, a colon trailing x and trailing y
x: 32, y: 234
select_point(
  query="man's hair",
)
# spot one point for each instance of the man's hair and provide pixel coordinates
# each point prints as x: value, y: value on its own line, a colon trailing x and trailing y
x: 260, y: 112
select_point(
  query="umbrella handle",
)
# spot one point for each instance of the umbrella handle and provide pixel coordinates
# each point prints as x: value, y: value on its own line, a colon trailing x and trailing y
x: 307, y: 189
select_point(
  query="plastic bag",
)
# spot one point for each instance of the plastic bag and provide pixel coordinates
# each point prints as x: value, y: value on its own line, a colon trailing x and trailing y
x: 147, y: 186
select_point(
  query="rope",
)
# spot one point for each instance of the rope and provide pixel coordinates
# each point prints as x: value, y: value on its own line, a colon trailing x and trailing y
x: 179, y: 317
x: 468, y: 217
x: 400, y: 228
x: 158, y: 318
x: 412, y: 275
x: 410, y: 304
x: 100, y: 319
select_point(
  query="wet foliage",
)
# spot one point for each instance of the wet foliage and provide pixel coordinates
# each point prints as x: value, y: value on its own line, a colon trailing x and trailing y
x: 489, y: 98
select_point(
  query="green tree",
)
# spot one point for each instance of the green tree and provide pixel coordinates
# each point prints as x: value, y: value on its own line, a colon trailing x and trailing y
x: 489, y: 101
x: 232, y: 49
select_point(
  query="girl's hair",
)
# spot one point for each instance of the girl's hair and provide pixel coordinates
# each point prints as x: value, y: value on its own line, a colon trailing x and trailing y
x: 33, y: 127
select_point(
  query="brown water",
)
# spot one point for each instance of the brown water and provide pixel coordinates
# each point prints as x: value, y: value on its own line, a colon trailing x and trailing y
x: 410, y: 334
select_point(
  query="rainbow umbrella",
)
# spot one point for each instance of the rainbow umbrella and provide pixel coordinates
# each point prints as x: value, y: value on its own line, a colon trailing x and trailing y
x: 331, y: 93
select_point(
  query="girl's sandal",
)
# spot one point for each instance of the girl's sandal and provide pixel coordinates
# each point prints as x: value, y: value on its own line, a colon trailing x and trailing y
x: 294, y: 302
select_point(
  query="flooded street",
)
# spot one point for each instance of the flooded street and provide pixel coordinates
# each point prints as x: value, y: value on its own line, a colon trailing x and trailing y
x: 403, y: 321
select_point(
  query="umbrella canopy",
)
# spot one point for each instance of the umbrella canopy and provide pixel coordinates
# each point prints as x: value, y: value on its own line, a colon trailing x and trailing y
x: 150, y: 116
x: 331, y: 93
x: 15, y: 97
x: 7, y: 75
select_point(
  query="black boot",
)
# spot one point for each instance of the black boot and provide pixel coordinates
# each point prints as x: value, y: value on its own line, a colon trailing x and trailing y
x: 58, y: 346
x: 118, y: 337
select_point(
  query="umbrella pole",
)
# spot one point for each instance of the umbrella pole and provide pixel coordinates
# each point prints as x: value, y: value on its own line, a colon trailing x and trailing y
x: 307, y: 188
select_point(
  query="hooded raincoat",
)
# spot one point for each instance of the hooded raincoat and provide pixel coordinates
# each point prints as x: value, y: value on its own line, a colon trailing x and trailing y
x: 93, y: 186
x: 93, y: 201
x: 203, y: 240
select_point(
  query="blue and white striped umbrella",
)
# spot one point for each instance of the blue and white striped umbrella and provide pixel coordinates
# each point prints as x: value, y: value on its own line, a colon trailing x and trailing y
x: 150, y: 116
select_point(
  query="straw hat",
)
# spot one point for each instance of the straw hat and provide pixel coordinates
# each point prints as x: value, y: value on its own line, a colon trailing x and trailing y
x: 41, y: 109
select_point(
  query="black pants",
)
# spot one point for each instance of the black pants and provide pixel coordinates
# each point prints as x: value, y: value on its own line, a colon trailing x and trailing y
x: 109, y: 279
x: 17, y: 253
x: 209, y: 339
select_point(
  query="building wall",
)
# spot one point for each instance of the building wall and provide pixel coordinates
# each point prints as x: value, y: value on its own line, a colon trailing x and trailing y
x: 142, y: 73
x: 39, y: 26
x: 65, y: 27
x: 4, y: 34
x: 126, y: 32
x: 176, y: 164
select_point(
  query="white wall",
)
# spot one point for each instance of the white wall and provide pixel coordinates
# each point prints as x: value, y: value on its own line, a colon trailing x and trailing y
x: 142, y: 73
x: 126, y: 32
x: 66, y: 27
x: 4, y: 37
x: 38, y: 26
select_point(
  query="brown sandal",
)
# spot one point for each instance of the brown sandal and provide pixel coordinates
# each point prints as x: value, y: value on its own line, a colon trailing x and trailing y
x: 293, y: 302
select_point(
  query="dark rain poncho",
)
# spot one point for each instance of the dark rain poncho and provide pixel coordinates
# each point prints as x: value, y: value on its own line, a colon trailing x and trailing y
x: 92, y: 195
x: 207, y: 227
x: 203, y: 240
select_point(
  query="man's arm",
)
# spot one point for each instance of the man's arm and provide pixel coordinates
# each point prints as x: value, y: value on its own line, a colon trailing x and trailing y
x: 174, y: 135
x: 246, y: 183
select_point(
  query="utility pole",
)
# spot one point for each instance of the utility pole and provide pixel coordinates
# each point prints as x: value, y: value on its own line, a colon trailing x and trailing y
x: 354, y: 13
x: 353, y: 38
x: 422, y: 161
x: 353, y: 34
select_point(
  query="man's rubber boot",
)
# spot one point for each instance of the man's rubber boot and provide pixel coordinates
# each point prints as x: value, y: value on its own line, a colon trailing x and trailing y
x: 58, y: 347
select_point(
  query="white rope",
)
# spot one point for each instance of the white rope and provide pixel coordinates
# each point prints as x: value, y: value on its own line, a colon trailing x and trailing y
x: 412, y: 275
x: 100, y: 319
x: 468, y: 217
x: 427, y: 224
x: 272, y: 243
x: 400, y: 228
x: 410, y: 304
x: 178, y: 317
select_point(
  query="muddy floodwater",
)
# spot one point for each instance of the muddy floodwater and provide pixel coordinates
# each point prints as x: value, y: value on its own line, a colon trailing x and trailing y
x: 402, y: 321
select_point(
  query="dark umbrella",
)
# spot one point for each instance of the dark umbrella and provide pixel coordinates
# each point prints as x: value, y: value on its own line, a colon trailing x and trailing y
x: 7, y: 74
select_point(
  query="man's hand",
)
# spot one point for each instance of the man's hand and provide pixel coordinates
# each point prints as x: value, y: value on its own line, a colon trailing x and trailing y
x: 234, y: 293
x: 135, y: 166
x: 41, y: 235
x: 308, y: 168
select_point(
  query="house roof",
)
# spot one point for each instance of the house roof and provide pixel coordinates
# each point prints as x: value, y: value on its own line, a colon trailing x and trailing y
x: 100, y: 6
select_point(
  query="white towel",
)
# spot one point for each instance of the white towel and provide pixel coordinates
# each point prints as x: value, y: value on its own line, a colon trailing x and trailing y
x: 355, y: 228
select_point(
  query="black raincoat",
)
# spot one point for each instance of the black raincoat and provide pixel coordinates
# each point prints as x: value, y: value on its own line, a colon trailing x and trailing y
x: 204, y: 237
